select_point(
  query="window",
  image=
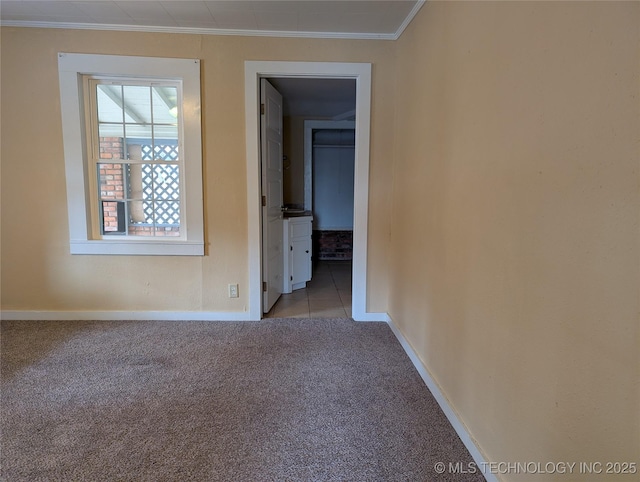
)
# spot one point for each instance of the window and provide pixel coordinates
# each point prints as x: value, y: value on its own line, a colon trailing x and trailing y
x: 135, y: 153
x: 132, y: 154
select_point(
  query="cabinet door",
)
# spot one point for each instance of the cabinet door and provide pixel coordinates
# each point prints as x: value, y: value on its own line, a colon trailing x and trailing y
x: 301, y: 260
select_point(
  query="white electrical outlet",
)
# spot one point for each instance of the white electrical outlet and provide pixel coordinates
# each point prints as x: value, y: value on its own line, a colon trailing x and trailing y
x: 233, y: 291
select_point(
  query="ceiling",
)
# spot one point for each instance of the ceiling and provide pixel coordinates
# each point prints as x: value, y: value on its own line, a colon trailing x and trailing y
x: 366, y: 19
x: 319, y: 98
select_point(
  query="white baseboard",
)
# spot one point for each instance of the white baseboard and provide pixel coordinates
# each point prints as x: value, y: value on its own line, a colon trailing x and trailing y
x: 152, y: 315
x: 126, y: 315
x: 30, y: 315
x: 448, y: 410
x: 371, y: 316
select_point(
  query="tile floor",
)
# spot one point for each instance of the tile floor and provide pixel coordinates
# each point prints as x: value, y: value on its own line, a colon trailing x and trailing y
x: 327, y: 295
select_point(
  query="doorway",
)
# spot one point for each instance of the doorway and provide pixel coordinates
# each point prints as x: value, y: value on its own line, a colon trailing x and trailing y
x: 319, y: 161
x: 361, y: 73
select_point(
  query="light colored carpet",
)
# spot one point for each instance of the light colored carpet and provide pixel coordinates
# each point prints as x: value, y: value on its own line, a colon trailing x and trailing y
x: 276, y: 400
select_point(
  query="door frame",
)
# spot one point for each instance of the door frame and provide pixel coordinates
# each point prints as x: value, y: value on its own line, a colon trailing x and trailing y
x: 361, y: 73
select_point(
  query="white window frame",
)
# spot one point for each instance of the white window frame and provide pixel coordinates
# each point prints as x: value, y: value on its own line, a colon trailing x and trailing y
x: 73, y: 70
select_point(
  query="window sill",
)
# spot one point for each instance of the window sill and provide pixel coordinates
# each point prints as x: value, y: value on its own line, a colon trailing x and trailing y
x: 138, y: 248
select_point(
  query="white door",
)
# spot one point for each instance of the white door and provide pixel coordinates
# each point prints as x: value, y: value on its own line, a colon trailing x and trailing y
x: 271, y: 161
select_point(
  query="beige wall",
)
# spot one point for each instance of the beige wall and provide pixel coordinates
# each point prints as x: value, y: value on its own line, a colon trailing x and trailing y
x: 37, y: 271
x: 515, y: 248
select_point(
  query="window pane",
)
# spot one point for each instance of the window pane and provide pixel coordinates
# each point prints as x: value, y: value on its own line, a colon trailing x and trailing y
x: 138, y: 142
x: 113, y: 217
x: 137, y: 104
x: 137, y: 219
x: 137, y: 212
x: 167, y: 213
x: 165, y: 126
x: 109, y: 99
x: 166, y: 142
x: 110, y: 140
x: 165, y: 105
x: 166, y: 181
x: 111, y: 181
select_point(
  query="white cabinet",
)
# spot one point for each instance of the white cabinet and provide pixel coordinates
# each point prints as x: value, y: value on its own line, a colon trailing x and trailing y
x: 297, y: 257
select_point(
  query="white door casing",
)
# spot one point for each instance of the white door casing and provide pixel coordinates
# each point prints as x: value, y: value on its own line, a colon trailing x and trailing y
x: 361, y: 72
x: 271, y: 164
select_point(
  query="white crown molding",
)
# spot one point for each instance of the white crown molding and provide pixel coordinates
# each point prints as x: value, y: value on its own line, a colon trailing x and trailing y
x: 205, y: 31
x: 414, y: 11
